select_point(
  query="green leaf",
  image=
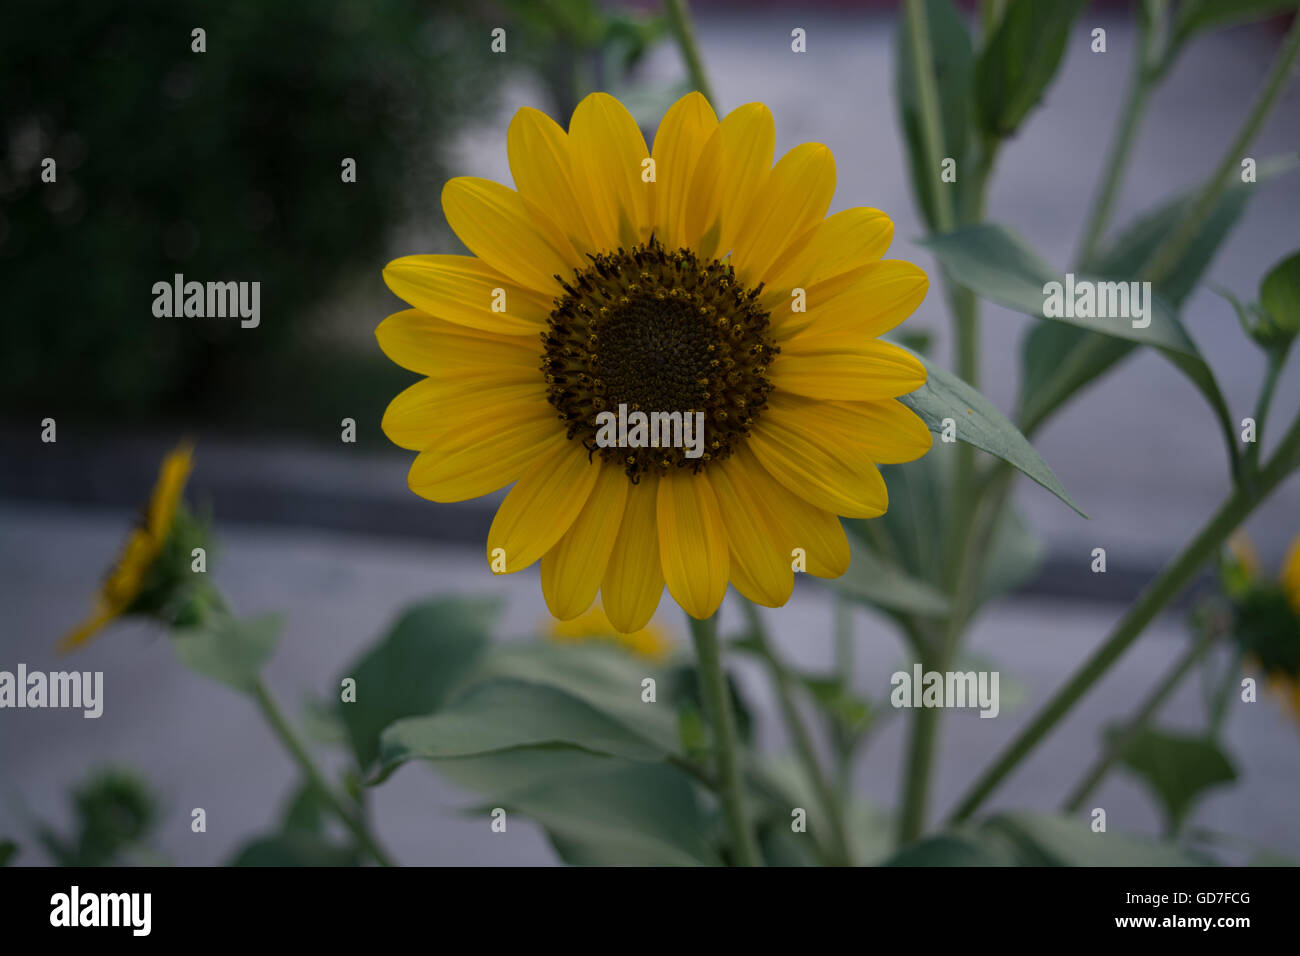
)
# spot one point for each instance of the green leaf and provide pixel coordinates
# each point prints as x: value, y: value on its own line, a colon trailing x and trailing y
x: 1279, y: 294
x: 951, y: 48
x: 642, y: 814
x: 979, y: 423
x: 949, y: 849
x: 1043, y: 839
x: 1197, y: 15
x: 999, y: 266
x: 1177, y: 768
x: 1058, y: 360
x: 605, y: 677
x: 1039, y: 839
x: 870, y: 580
x: 1018, y: 63
x: 427, y: 653
x: 8, y: 851
x: 914, y: 525
x: 229, y: 650
x: 502, y: 713
x: 294, y: 848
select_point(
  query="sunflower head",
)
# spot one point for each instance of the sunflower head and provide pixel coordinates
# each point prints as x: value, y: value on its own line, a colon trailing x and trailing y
x: 154, y: 566
x: 669, y: 352
x: 650, y: 642
x: 1266, y: 621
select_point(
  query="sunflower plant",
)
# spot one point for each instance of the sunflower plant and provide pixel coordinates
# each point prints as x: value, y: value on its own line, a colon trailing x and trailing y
x: 694, y: 276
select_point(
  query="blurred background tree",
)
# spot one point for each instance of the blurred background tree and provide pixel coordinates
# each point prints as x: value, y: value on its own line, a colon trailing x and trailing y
x: 222, y: 165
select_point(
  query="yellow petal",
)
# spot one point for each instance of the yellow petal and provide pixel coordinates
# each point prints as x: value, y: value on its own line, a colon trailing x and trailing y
x: 83, y: 632
x: 1291, y: 575
x: 509, y: 233
x: 417, y: 341
x: 485, y: 452
x: 634, y: 579
x: 890, y: 431
x: 606, y: 152
x: 868, y: 301
x: 467, y: 291
x: 747, y: 140
x: 430, y: 408
x: 166, y: 498
x: 573, y: 569
x: 847, y: 367
x: 761, y: 562
x: 835, y: 477
x: 801, y: 525
x: 846, y: 241
x: 692, y: 542
x: 538, y: 149
x: 679, y: 142
x: 542, y: 505
x: 796, y: 196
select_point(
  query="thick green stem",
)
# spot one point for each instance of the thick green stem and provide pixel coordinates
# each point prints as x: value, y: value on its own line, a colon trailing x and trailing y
x: 1164, y: 689
x: 717, y: 705
x: 783, y: 682
x: 1153, y: 599
x: 275, y: 717
x: 1165, y: 258
x: 679, y: 21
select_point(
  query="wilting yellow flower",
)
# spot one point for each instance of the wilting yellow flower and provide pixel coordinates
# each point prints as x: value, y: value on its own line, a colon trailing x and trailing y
x: 693, y: 277
x: 126, y: 579
x: 651, y: 641
x: 1267, y: 620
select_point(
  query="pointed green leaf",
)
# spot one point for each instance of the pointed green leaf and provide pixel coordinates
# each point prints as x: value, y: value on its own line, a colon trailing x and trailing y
x: 1019, y: 61
x: 979, y: 423
x: 229, y: 650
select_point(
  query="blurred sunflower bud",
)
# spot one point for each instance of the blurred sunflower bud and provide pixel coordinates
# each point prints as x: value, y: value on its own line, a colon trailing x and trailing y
x: 1266, y: 618
x: 650, y: 642
x: 154, y: 575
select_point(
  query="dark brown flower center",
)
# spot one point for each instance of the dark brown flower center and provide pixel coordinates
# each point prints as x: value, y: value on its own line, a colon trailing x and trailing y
x: 653, y: 331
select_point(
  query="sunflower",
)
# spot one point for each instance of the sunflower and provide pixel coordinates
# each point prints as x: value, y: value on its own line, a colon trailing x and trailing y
x: 692, y: 277
x: 127, y: 580
x: 651, y: 642
x: 1266, y: 618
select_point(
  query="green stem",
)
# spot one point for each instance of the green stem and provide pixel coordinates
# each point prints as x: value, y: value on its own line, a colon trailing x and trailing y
x: 803, y: 743
x: 844, y: 744
x: 1168, y: 254
x: 717, y: 705
x: 916, y: 781
x: 275, y: 717
x: 931, y: 120
x: 1112, y: 752
x: 1276, y: 359
x: 1135, y: 102
x: 679, y: 21
x: 1157, y: 594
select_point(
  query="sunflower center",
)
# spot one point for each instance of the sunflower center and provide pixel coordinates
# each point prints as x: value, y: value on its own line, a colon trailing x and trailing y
x: 661, y: 340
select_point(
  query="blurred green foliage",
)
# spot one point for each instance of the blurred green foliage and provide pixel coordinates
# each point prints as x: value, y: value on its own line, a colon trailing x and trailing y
x: 222, y: 165
x: 114, y: 817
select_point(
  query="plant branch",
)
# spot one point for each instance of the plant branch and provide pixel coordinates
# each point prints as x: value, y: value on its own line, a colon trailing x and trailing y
x: 1157, y: 594
x: 717, y: 704
x: 783, y: 683
x: 280, y: 724
x: 679, y: 21
x: 1167, y: 255
x: 1112, y: 752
